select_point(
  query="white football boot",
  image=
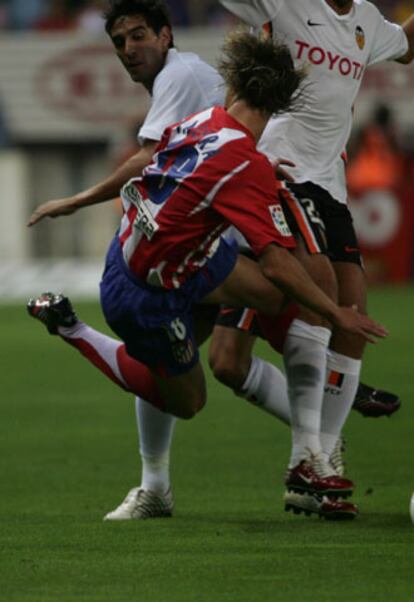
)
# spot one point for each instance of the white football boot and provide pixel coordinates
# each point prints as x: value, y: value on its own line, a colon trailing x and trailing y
x: 142, y: 503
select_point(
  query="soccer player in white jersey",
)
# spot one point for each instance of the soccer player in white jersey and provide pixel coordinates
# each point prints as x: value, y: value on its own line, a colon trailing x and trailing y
x: 336, y: 40
x: 168, y: 254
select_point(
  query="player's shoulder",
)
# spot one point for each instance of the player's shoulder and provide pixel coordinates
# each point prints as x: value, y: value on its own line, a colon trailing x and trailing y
x: 367, y: 8
x: 185, y: 66
x: 261, y: 167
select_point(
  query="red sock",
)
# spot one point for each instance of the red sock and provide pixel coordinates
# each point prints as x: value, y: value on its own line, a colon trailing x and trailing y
x: 138, y: 379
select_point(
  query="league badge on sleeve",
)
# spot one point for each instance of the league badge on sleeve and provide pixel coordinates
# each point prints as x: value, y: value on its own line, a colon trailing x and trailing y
x: 360, y: 37
x: 279, y: 220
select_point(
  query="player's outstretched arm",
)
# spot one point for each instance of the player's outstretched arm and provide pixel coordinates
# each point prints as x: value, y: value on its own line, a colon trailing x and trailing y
x: 408, y: 27
x: 103, y: 191
x: 285, y: 271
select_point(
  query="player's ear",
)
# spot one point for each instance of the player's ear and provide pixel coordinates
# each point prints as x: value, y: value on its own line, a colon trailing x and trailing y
x: 165, y: 36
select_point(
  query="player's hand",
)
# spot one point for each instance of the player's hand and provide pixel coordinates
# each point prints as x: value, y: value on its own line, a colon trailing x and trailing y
x: 52, y: 209
x: 349, y: 318
x: 281, y: 173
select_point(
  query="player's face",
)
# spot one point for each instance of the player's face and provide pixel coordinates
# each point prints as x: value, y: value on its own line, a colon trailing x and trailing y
x: 139, y: 48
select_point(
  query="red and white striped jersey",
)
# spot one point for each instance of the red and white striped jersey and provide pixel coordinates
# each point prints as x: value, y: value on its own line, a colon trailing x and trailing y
x: 205, y: 176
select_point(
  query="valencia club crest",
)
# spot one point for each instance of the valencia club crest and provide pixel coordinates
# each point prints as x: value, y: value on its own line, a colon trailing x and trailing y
x: 360, y: 37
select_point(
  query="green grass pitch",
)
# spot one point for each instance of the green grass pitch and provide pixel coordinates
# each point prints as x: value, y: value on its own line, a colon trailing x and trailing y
x: 68, y: 454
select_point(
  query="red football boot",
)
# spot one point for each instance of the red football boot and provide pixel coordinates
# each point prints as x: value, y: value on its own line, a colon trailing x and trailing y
x: 323, y: 506
x: 314, y: 476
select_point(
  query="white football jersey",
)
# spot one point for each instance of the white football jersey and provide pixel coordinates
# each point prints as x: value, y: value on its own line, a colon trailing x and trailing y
x: 335, y: 50
x: 185, y: 85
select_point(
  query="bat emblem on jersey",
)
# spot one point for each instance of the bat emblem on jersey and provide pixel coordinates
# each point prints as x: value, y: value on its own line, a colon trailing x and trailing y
x: 313, y: 24
x: 360, y: 37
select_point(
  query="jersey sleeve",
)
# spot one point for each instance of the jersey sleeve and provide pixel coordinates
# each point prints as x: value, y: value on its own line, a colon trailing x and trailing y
x: 254, y: 12
x: 176, y: 94
x: 249, y: 201
x: 390, y: 41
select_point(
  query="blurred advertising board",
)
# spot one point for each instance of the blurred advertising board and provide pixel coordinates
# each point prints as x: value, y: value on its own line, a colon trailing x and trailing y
x: 72, y: 86
x: 384, y: 221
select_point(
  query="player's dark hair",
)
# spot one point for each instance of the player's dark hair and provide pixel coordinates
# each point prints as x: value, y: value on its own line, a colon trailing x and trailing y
x: 155, y: 13
x: 261, y: 72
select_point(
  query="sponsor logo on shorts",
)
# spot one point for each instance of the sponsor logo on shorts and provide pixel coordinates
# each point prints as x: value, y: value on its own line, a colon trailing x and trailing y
x: 279, y: 220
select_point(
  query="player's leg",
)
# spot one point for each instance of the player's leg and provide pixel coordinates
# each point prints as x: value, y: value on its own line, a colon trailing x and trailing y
x: 155, y: 433
x: 304, y: 354
x: 368, y: 401
x: 106, y: 353
x: 233, y: 363
x: 247, y: 287
x: 305, y: 347
x: 153, y: 497
x: 344, y: 359
x: 113, y: 359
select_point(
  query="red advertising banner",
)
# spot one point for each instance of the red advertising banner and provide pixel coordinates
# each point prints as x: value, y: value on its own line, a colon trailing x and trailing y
x: 384, y: 221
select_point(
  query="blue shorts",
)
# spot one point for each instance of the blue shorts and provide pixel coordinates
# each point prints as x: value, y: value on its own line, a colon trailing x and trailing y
x: 156, y: 324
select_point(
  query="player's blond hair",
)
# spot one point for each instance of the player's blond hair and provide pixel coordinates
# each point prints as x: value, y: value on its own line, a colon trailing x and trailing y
x: 260, y: 71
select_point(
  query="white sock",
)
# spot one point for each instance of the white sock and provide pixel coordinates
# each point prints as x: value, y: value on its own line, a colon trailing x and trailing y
x: 99, y: 348
x: 341, y: 385
x: 304, y: 355
x: 156, y: 430
x: 266, y: 388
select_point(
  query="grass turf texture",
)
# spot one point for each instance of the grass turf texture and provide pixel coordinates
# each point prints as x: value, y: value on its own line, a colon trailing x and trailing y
x: 68, y: 455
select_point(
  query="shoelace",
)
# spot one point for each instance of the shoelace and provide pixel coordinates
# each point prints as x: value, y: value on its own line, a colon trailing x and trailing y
x: 149, y: 503
x: 321, y: 466
x: 336, y: 458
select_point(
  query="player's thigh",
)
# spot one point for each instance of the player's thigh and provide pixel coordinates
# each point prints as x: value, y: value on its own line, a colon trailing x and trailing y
x: 345, y: 255
x: 246, y: 286
x: 230, y: 354
x: 319, y: 267
x: 204, y: 319
x: 184, y: 394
